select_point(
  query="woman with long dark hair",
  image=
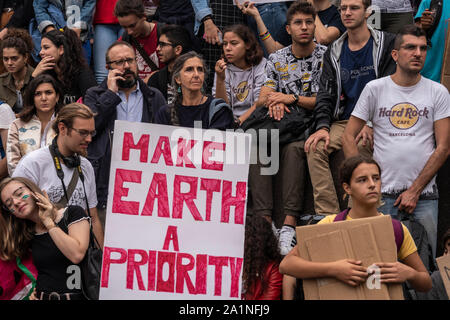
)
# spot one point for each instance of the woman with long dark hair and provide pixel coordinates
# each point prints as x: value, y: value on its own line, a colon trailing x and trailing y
x: 33, y: 127
x: 261, y: 278
x: 241, y: 73
x: 62, y: 57
x: 58, y: 238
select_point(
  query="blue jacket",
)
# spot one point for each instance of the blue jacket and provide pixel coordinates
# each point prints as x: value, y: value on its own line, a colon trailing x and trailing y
x: 104, y: 103
x: 201, y: 9
x: 78, y: 13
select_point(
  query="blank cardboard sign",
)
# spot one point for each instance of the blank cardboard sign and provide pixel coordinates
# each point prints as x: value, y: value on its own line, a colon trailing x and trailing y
x: 370, y: 240
x: 444, y: 268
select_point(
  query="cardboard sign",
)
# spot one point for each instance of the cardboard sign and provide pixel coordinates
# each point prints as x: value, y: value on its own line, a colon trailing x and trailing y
x: 444, y: 269
x: 176, y: 212
x: 445, y: 74
x: 369, y: 240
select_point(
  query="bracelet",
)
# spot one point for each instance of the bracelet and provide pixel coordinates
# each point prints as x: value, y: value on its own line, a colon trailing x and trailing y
x: 265, y: 36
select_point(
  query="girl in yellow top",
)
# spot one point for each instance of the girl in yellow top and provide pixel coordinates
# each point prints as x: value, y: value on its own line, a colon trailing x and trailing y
x: 360, y: 178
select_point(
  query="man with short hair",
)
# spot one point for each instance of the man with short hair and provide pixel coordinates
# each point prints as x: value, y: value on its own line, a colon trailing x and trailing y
x: 121, y: 96
x: 292, y: 82
x: 411, y: 123
x: 173, y: 41
x: 141, y: 34
x: 74, y: 127
x: 360, y: 55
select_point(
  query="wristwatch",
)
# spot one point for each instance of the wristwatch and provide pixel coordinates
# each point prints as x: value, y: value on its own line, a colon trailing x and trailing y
x: 296, y: 97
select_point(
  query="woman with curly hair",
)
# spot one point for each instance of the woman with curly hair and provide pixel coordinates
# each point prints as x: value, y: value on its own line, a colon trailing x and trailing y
x: 241, y: 72
x: 62, y: 57
x: 261, y: 278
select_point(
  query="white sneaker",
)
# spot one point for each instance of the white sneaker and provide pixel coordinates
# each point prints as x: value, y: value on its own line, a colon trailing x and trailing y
x: 287, y: 239
x: 276, y: 231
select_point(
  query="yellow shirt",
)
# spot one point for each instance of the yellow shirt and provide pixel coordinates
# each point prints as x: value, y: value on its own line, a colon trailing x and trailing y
x: 408, y: 246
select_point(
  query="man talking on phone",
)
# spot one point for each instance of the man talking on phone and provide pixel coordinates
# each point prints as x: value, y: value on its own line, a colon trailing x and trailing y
x: 121, y: 96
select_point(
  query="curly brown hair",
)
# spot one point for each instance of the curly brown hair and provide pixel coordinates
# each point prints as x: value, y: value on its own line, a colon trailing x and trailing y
x: 260, y: 249
x: 254, y: 54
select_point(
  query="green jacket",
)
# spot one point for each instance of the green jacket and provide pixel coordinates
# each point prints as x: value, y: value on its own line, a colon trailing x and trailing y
x: 7, y: 88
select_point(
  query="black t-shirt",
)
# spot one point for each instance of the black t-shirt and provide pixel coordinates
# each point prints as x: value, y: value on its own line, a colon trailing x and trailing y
x: 51, y: 264
x: 330, y: 17
x: 161, y: 80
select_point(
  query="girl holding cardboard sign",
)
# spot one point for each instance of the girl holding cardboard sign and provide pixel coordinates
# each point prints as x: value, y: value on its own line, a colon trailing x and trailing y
x: 360, y: 178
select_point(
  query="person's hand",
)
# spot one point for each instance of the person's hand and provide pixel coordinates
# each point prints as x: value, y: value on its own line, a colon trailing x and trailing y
x: 277, y: 110
x: 395, y: 272
x: 366, y: 134
x: 349, y: 271
x: 407, y: 201
x: 113, y: 76
x: 220, y: 68
x: 33, y: 295
x: 77, y: 31
x: 319, y: 135
x: 3, y: 33
x: 211, y: 32
x: 47, y: 212
x: 248, y: 8
x: 427, y: 19
x: 279, y: 97
x: 47, y: 63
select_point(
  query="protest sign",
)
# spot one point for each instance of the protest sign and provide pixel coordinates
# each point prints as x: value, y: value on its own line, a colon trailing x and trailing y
x: 176, y: 212
x: 444, y: 268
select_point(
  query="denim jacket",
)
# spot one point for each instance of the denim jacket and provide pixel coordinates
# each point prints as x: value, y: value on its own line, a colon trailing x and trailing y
x: 79, y: 13
x: 201, y: 9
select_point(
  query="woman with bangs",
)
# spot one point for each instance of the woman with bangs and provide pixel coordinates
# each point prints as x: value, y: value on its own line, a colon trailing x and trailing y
x: 241, y: 72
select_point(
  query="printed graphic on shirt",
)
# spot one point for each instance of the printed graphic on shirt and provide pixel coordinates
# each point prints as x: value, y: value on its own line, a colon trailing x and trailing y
x: 241, y: 91
x: 143, y: 68
x: 55, y: 193
x: 290, y: 75
x: 403, y: 115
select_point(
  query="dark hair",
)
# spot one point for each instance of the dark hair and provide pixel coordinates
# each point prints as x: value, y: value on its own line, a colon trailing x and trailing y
x: 28, y: 101
x: 127, y: 7
x: 115, y: 44
x: 72, y: 61
x: 349, y: 165
x: 445, y: 237
x: 260, y: 249
x: 178, y: 36
x: 409, y: 29
x: 178, y: 66
x: 69, y: 112
x: 367, y: 3
x: 254, y: 54
x: 18, y: 39
x: 15, y: 234
x: 300, y: 7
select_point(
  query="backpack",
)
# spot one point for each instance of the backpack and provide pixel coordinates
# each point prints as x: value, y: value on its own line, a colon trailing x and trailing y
x: 215, y: 105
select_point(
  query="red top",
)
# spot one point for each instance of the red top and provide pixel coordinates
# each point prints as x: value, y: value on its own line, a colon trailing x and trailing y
x: 274, y: 281
x: 104, y: 12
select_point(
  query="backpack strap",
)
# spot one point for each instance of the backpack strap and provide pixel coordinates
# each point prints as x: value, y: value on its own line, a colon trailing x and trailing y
x: 397, y: 226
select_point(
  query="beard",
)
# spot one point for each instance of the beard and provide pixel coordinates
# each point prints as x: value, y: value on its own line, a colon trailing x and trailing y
x: 129, y: 82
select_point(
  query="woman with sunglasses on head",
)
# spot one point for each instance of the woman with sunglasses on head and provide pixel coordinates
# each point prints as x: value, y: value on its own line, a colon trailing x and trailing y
x: 62, y: 58
x: 241, y: 73
x: 58, y: 238
x: 191, y: 103
x: 33, y: 127
x: 360, y: 178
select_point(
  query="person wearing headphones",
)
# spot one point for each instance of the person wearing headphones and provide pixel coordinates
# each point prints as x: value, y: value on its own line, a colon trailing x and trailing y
x: 61, y: 168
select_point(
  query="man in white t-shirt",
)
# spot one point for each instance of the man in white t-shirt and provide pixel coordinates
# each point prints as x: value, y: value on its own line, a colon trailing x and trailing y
x: 6, y: 118
x: 74, y: 126
x: 411, y: 122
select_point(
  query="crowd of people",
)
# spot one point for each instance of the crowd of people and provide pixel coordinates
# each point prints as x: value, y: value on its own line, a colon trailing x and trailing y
x: 330, y: 81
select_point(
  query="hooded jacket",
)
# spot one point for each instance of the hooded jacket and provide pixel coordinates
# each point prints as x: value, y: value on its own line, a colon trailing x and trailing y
x: 328, y: 104
x: 243, y: 86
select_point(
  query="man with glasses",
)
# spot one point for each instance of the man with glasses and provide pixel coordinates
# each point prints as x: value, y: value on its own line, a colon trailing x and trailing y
x: 75, y: 128
x: 121, y: 96
x: 360, y: 55
x: 411, y: 122
x: 173, y: 42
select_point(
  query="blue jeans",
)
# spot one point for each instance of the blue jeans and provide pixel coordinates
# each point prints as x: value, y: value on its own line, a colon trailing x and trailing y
x: 426, y: 213
x: 104, y: 36
x: 274, y: 17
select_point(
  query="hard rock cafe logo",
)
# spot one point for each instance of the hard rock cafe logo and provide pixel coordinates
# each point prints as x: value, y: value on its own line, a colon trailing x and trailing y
x: 403, y: 115
x: 242, y: 91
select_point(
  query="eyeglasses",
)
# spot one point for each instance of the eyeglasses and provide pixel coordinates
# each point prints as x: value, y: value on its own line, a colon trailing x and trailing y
x: 120, y: 63
x: 84, y: 133
x: 352, y: 8
x: 18, y: 195
x: 165, y: 44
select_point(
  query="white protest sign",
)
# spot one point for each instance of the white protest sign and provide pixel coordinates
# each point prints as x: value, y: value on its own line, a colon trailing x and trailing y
x: 176, y: 212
